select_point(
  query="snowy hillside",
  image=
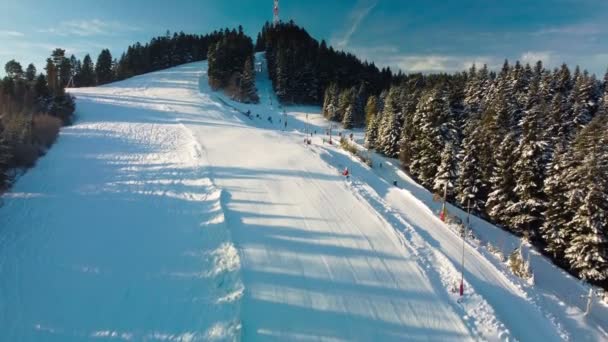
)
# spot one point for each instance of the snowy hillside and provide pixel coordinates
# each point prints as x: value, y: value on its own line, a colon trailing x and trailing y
x: 167, y: 214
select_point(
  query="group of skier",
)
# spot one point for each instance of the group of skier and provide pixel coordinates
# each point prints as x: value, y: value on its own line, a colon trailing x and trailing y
x: 248, y: 114
x: 308, y: 141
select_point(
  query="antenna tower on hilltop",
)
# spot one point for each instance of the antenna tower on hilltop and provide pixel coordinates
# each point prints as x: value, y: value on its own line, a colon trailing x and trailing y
x: 276, y: 12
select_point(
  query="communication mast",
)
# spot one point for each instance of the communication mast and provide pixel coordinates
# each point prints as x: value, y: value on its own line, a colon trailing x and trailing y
x: 276, y: 12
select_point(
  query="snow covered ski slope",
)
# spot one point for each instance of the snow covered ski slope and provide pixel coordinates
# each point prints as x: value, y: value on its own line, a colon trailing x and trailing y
x: 164, y: 214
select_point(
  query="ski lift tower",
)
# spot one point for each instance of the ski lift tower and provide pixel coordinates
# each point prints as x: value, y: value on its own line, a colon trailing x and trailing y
x: 276, y: 12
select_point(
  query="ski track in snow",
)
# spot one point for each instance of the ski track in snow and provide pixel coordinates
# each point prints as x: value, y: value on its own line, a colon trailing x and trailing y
x: 118, y: 233
x: 165, y: 214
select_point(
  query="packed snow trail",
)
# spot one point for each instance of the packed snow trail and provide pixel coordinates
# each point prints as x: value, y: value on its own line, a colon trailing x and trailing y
x: 509, y: 305
x: 557, y: 301
x: 165, y: 214
x: 119, y: 232
x: 317, y: 262
x: 125, y: 230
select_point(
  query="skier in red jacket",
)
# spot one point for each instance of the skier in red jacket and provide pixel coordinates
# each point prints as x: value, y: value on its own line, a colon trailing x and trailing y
x: 345, y: 172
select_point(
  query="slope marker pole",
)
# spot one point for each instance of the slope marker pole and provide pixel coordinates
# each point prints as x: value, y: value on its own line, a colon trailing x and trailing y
x: 445, y: 195
x: 464, y: 237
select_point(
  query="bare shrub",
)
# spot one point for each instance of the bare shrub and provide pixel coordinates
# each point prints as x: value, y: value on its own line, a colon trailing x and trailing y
x: 17, y: 128
x: 45, y: 129
x: 347, y: 146
x: 25, y: 154
x: 519, y: 266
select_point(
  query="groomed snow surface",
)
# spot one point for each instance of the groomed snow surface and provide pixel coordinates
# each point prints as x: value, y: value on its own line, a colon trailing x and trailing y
x: 165, y: 214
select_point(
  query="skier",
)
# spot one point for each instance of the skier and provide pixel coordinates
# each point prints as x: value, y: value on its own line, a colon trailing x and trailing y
x: 351, y: 137
x: 345, y: 172
x: 285, y: 124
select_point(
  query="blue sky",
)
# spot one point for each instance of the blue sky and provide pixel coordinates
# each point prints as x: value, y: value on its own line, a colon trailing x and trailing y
x: 426, y: 36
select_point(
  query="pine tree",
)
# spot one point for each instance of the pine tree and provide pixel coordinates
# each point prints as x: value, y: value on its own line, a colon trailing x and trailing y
x: 63, y: 67
x: 470, y: 184
x: 603, y: 105
x: 13, y: 69
x: 103, y: 67
x: 30, y: 73
x: 563, y: 81
x: 502, y: 183
x: 310, y: 91
x: 359, y: 105
x: 555, y: 133
x: 475, y: 88
x: 446, y: 172
x: 52, y: 77
x: 58, y: 55
x: 588, y: 250
x: 498, y: 119
x: 501, y: 91
x: 583, y: 99
x: 348, y: 119
x: 330, y: 101
x: 346, y: 100
x: 211, y: 62
x: 87, y: 72
x: 41, y: 87
x: 557, y: 214
x: 520, y: 81
x: 371, y: 109
x: 389, y: 131
x: 382, y: 100
x: 547, y: 86
x: 431, y: 113
x: 371, y: 132
x: 76, y: 69
x: 282, y: 75
x: 248, y: 90
x: 529, y: 169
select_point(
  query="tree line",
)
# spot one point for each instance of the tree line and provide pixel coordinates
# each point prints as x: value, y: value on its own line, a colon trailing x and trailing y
x: 33, y: 107
x: 231, y: 65
x: 159, y: 53
x: 524, y: 147
x: 301, y: 68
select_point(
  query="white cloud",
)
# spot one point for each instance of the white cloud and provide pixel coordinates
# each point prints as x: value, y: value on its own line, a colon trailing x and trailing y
x: 532, y: 57
x: 85, y: 28
x: 583, y: 29
x: 8, y: 33
x: 372, y: 53
x: 425, y: 63
x: 360, y: 12
x: 429, y: 63
x: 390, y: 55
